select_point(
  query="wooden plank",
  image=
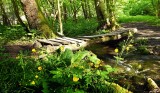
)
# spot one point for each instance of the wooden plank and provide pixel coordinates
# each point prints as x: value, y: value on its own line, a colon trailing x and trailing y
x: 59, y: 41
x: 72, y: 39
x: 48, y: 42
x: 72, y: 42
x: 84, y: 39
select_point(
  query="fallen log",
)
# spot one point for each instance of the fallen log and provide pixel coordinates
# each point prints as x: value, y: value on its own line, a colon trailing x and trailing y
x: 153, y: 87
x: 117, y: 88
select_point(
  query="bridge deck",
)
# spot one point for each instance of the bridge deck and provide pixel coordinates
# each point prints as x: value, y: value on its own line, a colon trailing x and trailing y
x: 82, y: 41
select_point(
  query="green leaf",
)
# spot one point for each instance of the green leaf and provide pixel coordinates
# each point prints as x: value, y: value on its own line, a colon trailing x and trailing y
x: 67, y: 56
x: 93, y: 58
x: 80, y: 55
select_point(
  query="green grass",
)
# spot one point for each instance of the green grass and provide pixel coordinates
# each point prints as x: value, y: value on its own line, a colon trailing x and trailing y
x: 140, y: 18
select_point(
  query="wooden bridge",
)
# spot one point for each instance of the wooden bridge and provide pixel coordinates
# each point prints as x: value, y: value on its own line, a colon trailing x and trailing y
x: 82, y: 41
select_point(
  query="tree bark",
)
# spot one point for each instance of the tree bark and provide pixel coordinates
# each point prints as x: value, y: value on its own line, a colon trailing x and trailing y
x: 36, y: 18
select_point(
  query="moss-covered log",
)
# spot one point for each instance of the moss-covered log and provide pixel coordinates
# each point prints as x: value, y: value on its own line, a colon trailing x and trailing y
x: 117, y: 88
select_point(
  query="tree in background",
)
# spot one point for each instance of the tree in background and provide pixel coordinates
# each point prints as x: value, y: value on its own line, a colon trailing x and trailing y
x: 6, y: 20
x: 105, y: 14
x: 36, y: 19
x: 16, y: 11
x: 86, y: 8
x: 158, y: 9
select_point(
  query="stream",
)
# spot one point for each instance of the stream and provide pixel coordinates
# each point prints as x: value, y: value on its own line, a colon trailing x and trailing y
x: 133, y: 70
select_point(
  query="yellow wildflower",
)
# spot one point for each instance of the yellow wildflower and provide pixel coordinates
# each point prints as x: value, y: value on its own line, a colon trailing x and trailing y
x: 99, y: 61
x: 127, y: 48
x: 62, y: 48
x: 130, y: 33
x: 116, y: 50
x: 33, y: 50
x: 81, y: 67
x: 75, y: 79
x: 96, y: 65
x: 36, y: 76
x: 91, y: 64
x: 17, y: 57
x: 39, y: 68
x: 130, y: 45
x: 33, y: 83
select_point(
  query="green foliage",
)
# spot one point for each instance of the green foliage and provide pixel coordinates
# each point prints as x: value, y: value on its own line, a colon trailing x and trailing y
x: 70, y: 72
x: 142, y: 46
x: 81, y: 27
x: 139, y: 7
x: 139, y: 18
x: 11, y: 33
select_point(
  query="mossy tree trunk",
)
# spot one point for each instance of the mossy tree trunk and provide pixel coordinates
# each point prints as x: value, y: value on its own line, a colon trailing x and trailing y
x: 105, y: 14
x: 36, y: 19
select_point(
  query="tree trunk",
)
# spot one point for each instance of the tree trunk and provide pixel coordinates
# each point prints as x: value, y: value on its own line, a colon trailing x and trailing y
x: 36, y: 19
x: 6, y: 20
x: 111, y: 9
x: 60, y: 18
x: 65, y: 12
x: 158, y: 10
x: 89, y: 10
x: 105, y: 14
x: 16, y: 11
x: 84, y: 8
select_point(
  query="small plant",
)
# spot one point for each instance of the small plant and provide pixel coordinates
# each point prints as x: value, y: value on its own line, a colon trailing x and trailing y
x: 125, y: 48
x: 141, y: 46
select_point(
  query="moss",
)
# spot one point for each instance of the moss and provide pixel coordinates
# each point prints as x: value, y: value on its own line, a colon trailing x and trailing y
x: 43, y: 26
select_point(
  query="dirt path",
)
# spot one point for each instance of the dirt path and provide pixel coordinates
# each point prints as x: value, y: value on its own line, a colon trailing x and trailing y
x: 151, y: 33
x: 146, y: 31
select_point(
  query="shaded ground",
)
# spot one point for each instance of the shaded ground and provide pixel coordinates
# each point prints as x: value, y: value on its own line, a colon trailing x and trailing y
x: 151, y: 33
